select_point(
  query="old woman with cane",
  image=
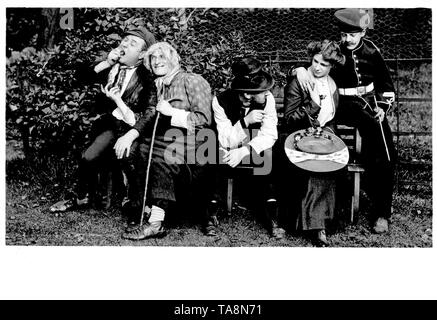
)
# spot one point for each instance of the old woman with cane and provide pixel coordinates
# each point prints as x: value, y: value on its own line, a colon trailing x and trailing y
x: 166, y: 156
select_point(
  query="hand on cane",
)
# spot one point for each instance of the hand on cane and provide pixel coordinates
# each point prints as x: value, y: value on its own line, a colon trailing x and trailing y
x: 165, y: 108
x: 379, y: 114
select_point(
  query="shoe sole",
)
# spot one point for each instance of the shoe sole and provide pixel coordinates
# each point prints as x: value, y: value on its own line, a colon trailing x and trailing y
x: 160, y: 235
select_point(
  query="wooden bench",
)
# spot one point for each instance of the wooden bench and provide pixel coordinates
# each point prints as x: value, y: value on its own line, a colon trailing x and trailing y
x: 352, y: 139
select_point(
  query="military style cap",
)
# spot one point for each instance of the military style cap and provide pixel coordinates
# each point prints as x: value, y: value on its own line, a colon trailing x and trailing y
x: 352, y: 20
x: 143, y: 33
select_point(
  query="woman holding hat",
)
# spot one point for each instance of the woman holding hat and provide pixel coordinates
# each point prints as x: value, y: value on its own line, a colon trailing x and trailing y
x: 366, y: 95
x: 311, y: 193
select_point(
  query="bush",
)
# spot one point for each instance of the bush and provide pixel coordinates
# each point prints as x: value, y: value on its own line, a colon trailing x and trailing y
x: 44, y: 100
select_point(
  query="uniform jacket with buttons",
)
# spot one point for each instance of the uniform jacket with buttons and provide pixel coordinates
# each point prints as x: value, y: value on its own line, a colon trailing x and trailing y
x: 363, y: 65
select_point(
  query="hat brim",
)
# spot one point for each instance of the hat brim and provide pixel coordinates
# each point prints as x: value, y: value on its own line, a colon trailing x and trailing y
x: 315, y: 165
x: 147, y: 36
x: 266, y: 85
x: 345, y: 27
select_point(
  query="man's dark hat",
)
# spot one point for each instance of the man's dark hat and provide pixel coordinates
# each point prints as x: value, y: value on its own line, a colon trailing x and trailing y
x: 352, y: 20
x: 143, y: 33
x: 249, y: 76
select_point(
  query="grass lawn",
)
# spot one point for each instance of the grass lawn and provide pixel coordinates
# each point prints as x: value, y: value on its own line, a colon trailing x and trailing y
x: 28, y: 222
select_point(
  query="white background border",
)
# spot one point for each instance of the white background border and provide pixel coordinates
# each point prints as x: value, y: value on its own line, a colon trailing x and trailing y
x: 211, y: 273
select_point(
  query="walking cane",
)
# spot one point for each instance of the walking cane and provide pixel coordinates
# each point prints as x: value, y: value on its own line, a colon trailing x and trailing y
x: 149, y: 162
x: 382, y: 133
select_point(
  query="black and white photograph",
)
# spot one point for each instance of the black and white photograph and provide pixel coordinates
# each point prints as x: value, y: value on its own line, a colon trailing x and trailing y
x: 218, y: 131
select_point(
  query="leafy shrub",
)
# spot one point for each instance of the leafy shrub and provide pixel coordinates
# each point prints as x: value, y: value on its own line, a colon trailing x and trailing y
x: 47, y: 106
x: 43, y: 98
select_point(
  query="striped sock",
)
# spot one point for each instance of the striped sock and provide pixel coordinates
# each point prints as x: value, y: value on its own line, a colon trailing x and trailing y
x: 157, y: 214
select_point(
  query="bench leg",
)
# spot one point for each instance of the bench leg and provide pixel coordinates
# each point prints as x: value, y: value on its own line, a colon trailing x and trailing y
x: 229, y: 196
x: 109, y: 189
x: 355, y: 206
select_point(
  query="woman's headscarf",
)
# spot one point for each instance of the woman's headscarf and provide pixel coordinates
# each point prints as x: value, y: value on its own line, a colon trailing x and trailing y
x: 173, y: 59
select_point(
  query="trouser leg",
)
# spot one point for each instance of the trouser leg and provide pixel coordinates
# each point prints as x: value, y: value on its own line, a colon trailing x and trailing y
x: 135, y: 167
x: 289, y: 181
x: 161, y: 179
x: 378, y: 153
x: 95, y: 155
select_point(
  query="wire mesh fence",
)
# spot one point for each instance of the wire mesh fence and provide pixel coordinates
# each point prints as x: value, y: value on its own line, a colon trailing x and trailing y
x: 285, y: 32
x: 281, y: 32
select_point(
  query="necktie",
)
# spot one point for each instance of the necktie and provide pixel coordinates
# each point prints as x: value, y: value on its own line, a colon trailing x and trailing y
x: 243, y: 112
x: 120, y: 77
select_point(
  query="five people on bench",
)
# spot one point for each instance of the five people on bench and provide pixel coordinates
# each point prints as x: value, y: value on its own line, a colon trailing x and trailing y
x: 151, y: 100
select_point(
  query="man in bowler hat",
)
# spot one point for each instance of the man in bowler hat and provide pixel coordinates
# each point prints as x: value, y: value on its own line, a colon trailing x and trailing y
x: 246, y: 121
x: 126, y: 105
x: 366, y: 95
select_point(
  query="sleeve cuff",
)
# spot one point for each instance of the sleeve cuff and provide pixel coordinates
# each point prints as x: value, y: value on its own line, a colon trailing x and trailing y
x: 129, y: 118
x: 255, y: 147
x: 180, y: 118
x: 389, y: 95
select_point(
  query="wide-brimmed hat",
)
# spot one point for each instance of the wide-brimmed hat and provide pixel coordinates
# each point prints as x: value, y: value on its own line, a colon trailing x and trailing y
x: 143, y: 33
x: 352, y: 20
x: 249, y: 76
x: 316, y: 150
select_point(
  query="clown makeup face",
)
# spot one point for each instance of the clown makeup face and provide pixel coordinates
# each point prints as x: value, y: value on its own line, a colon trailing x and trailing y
x: 352, y: 40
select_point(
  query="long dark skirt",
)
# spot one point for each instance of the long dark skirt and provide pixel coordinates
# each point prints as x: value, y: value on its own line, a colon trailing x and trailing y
x: 318, y: 203
x: 306, y: 199
x: 169, y: 170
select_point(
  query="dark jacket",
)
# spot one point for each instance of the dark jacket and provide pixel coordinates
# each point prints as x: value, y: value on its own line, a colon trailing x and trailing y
x: 139, y: 96
x: 231, y: 104
x: 300, y: 111
x: 363, y: 66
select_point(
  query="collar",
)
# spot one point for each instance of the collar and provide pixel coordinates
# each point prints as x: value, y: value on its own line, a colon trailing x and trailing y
x: 160, y: 82
x: 168, y: 78
x: 123, y: 66
x: 359, y: 46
